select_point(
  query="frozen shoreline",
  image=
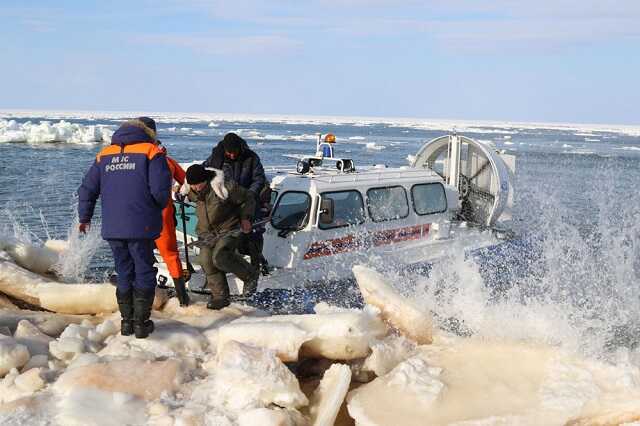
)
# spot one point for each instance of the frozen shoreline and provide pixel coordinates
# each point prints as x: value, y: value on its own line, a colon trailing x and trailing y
x: 385, y: 364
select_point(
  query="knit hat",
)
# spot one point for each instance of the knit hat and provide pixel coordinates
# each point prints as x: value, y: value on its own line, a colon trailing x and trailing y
x: 198, y: 174
x: 232, y: 143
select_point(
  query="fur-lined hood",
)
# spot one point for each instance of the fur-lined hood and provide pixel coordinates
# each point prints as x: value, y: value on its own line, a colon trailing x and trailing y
x: 133, y: 131
x: 217, y: 185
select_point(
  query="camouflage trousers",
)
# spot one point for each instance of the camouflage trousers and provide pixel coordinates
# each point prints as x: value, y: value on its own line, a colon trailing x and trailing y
x: 221, y: 259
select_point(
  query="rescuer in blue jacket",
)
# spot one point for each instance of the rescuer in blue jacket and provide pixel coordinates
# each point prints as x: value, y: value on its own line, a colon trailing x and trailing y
x: 133, y: 180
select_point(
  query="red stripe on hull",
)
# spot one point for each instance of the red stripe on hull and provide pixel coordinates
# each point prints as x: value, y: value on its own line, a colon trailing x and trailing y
x: 375, y: 239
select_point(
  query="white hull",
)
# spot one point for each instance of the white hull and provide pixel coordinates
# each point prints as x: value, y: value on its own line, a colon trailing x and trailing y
x: 338, y: 266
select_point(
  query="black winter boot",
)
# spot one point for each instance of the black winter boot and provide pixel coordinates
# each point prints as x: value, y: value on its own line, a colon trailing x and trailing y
x: 142, y: 303
x: 217, y: 303
x: 125, y: 304
x: 181, y: 291
x: 219, y: 287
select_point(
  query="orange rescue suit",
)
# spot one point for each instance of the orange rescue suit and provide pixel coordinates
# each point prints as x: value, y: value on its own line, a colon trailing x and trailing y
x: 167, y: 243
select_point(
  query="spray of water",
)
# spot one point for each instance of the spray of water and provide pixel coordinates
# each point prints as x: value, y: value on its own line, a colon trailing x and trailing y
x: 14, y: 230
x: 564, y: 283
x: 74, y: 262
x: 74, y: 253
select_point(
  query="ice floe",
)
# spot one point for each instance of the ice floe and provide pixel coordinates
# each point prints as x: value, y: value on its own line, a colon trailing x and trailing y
x: 39, y: 289
x: 286, y: 346
x: 329, y: 395
x: 340, y: 334
x: 401, y: 312
x: 374, y: 147
x: 12, y: 354
x: 47, y: 132
x: 30, y: 336
x: 241, y: 366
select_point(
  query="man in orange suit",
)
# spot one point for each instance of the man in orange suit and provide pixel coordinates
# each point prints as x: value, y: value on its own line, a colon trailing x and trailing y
x: 167, y: 243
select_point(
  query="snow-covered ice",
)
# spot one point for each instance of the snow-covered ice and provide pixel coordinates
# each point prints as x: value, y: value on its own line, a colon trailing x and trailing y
x: 401, y: 312
x: 30, y: 336
x: 12, y: 354
x: 240, y: 366
x: 286, y: 346
x: 245, y: 376
x: 374, y: 147
x: 387, y: 353
x: 339, y: 334
x: 170, y: 339
x: 469, y: 126
x: 47, y: 132
x: 34, y: 258
x: 329, y: 395
x: 34, y: 283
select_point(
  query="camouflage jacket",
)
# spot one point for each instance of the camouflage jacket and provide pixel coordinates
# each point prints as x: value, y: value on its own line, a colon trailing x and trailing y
x: 222, y: 216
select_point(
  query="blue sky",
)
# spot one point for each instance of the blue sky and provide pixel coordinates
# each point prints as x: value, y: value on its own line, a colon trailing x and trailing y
x: 554, y: 61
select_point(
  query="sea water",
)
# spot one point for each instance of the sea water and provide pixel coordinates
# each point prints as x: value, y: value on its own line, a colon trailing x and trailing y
x: 572, y: 276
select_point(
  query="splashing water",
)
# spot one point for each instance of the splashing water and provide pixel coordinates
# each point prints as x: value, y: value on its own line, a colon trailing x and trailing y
x: 74, y: 262
x: 15, y: 230
x: 74, y: 254
x: 564, y: 284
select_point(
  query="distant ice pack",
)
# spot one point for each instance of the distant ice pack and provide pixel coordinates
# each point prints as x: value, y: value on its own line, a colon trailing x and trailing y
x: 48, y: 132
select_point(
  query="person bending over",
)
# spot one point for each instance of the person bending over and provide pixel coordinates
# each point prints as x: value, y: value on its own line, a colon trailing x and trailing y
x: 224, y: 210
x: 239, y: 163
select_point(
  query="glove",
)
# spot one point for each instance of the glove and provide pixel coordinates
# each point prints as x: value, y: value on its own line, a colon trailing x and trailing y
x: 84, y: 227
x: 186, y: 274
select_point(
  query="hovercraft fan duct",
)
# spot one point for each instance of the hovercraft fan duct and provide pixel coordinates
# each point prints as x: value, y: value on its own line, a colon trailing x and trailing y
x: 481, y: 174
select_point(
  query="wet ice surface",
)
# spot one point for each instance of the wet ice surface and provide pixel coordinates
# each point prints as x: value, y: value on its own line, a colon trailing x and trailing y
x: 552, y: 318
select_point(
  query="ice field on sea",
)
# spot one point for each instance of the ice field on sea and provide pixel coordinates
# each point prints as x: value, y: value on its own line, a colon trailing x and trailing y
x: 542, y: 332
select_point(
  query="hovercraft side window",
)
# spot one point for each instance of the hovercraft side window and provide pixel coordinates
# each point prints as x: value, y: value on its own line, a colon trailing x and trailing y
x: 348, y: 209
x: 292, y: 211
x: 388, y: 203
x: 428, y: 198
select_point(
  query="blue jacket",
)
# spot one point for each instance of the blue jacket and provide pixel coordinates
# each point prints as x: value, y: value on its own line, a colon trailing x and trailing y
x: 134, y: 181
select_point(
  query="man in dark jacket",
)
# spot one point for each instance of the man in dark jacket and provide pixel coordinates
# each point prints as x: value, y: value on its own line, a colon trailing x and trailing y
x: 240, y: 164
x: 222, y: 207
x: 132, y: 177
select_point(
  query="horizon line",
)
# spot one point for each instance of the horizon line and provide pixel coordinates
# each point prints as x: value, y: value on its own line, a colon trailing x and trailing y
x: 341, y: 119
